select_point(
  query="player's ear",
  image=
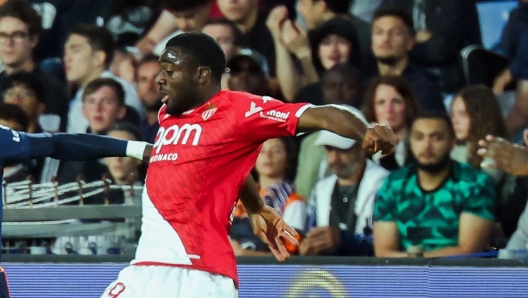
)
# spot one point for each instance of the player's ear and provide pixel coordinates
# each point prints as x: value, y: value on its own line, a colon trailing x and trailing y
x: 204, y: 74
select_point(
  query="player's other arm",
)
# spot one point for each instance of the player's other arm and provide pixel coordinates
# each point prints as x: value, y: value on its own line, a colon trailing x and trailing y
x: 84, y: 146
x: 347, y: 123
x: 266, y: 222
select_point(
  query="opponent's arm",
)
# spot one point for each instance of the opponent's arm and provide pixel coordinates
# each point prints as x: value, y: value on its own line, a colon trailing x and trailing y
x: 84, y: 146
x: 347, y: 123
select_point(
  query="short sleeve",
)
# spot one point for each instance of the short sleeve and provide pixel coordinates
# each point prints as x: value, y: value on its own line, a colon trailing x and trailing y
x: 261, y: 118
x: 385, y: 203
x: 15, y: 146
x: 481, y: 201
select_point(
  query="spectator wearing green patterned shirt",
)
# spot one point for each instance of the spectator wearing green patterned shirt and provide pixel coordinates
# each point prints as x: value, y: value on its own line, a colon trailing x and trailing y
x: 439, y: 204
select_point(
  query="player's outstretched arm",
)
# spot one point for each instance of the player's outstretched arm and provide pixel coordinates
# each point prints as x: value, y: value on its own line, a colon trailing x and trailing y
x: 84, y: 146
x: 347, y: 123
x: 267, y: 224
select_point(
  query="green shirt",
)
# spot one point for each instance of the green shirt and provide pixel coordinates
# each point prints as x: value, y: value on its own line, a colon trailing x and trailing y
x: 431, y: 219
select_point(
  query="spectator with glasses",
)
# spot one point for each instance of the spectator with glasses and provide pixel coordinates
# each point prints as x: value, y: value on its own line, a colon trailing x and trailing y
x: 20, y: 28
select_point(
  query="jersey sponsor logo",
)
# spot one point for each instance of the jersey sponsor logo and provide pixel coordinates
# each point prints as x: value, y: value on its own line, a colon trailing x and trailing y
x: 275, y: 115
x: 176, y: 135
x: 253, y: 109
x: 209, y: 112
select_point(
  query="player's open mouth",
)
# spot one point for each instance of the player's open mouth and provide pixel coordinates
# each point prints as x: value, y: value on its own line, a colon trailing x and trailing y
x: 165, y: 98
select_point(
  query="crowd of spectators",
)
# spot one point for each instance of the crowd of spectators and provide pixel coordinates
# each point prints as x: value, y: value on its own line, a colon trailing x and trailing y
x: 90, y: 67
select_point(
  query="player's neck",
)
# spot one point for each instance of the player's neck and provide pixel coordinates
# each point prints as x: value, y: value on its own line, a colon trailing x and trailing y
x: 206, y: 94
x: 266, y: 182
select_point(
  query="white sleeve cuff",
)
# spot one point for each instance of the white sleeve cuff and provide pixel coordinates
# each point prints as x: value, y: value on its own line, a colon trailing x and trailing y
x: 136, y: 149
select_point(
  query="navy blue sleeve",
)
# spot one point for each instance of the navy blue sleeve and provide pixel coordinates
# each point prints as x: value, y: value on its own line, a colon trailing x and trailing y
x: 353, y: 244
x: 74, y: 146
x: 13, y: 145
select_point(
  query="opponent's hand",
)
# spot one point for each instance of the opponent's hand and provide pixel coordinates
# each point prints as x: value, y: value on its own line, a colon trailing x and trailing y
x: 268, y: 225
x: 379, y: 138
x: 511, y: 158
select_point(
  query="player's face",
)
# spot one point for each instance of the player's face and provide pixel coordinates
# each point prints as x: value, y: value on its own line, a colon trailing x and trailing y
x: 25, y: 98
x: 121, y: 167
x: 391, y: 39
x: 16, y: 45
x: 389, y: 107
x: 460, y: 119
x: 224, y: 36
x: 79, y: 59
x: 147, y: 88
x: 272, y: 160
x: 431, y: 144
x: 333, y: 50
x: 177, y: 81
x: 102, y: 109
x: 345, y: 163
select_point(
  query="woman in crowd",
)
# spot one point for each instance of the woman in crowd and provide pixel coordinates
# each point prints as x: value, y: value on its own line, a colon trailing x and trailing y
x: 275, y: 169
x: 335, y: 42
x: 389, y: 100
x: 476, y: 113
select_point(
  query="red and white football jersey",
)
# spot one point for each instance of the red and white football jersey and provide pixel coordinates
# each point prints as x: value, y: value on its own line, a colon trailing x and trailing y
x: 197, y: 169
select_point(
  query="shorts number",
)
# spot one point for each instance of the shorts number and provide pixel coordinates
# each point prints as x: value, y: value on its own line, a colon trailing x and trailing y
x: 116, y: 290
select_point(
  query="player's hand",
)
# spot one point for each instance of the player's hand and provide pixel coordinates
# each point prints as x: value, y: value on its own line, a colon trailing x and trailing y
x: 269, y: 226
x: 379, y: 138
x: 511, y: 158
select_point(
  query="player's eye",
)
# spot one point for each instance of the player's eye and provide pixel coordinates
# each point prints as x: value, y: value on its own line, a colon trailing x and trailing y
x: 169, y: 72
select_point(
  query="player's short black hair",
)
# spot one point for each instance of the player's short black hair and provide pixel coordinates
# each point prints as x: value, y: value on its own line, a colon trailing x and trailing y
x: 339, y: 6
x: 225, y: 22
x: 27, y: 79
x: 94, y: 85
x: 99, y: 38
x: 397, y: 12
x: 438, y: 115
x: 182, y: 5
x: 12, y: 112
x: 204, y: 49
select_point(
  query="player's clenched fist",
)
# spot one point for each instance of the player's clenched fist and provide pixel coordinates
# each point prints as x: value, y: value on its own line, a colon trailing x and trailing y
x: 379, y: 138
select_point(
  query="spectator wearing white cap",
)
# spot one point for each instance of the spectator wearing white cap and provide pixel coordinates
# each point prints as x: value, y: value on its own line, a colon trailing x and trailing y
x: 341, y: 205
